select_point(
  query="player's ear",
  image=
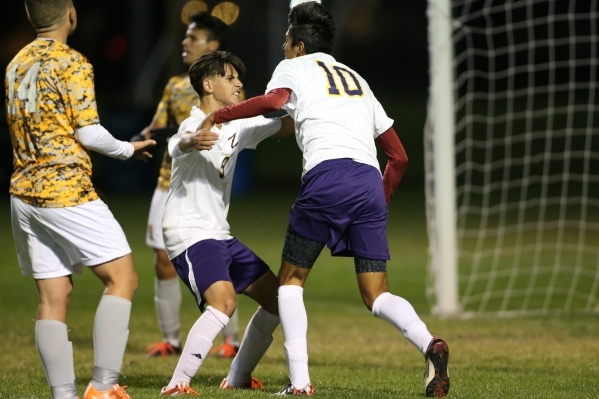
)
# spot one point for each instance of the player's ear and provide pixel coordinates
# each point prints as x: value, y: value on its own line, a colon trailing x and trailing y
x: 207, y: 86
x: 72, y: 18
x: 301, y: 49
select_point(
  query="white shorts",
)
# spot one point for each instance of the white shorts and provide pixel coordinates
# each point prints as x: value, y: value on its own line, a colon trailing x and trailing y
x: 154, y: 237
x: 56, y: 242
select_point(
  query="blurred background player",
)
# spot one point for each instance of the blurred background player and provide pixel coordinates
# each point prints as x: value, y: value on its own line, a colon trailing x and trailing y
x: 342, y: 202
x: 205, y: 33
x: 214, y: 265
x: 58, y: 221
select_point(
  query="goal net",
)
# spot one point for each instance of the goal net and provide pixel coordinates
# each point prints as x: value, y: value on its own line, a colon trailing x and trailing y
x: 523, y: 156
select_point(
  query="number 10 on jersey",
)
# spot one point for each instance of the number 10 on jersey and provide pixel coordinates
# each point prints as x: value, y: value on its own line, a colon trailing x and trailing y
x: 342, y: 73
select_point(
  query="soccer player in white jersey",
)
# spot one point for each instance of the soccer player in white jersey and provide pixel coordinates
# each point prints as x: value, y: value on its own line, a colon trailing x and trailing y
x: 342, y: 200
x: 205, y: 33
x: 214, y: 265
x: 59, y: 223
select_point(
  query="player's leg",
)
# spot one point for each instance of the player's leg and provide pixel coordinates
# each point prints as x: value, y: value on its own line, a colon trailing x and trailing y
x: 203, y: 267
x: 247, y: 267
x: 299, y: 255
x: 400, y: 313
x: 167, y: 288
x: 111, y: 325
x: 167, y: 299
x: 51, y: 336
x: 92, y: 237
x: 40, y: 256
x: 368, y: 239
x: 230, y: 333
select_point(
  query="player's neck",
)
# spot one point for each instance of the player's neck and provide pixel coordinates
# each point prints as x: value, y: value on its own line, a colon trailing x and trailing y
x: 59, y: 35
x: 208, y: 104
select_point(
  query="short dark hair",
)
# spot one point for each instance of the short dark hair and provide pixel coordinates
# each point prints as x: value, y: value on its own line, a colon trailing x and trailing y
x: 213, y: 64
x: 215, y: 28
x: 312, y: 24
x: 46, y: 13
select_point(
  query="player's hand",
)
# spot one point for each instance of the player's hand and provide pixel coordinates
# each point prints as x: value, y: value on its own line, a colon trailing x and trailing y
x: 204, y: 139
x: 139, y: 149
x: 208, y: 122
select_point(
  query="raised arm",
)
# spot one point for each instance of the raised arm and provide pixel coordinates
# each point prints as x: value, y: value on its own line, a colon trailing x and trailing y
x: 260, y: 105
x: 397, y: 160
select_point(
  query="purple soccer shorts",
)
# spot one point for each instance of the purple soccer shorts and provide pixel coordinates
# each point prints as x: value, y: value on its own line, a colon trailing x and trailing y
x: 209, y: 261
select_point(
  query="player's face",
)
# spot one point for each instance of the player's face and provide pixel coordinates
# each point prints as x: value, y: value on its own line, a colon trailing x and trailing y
x: 226, y: 89
x: 290, y: 50
x: 196, y: 44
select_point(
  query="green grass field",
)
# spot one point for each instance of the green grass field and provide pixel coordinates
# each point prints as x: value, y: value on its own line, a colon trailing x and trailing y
x: 352, y: 354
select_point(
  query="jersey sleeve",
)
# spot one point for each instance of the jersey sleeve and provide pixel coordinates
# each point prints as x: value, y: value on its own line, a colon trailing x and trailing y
x: 284, y: 77
x: 79, y: 79
x: 173, y: 143
x: 382, y: 122
x: 254, y: 130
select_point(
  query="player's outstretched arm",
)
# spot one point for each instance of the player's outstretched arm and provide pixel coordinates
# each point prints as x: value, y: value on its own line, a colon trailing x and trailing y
x: 97, y: 138
x: 255, y: 106
x: 397, y: 160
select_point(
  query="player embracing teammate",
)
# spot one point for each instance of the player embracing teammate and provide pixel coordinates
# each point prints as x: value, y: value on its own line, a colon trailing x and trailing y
x: 342, y: 202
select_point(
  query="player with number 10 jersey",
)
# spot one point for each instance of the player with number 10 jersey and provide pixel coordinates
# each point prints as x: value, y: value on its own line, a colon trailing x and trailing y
x: 336, y: 114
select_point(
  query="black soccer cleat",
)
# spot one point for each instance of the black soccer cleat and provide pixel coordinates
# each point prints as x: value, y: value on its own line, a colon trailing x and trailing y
x: 436, y: 374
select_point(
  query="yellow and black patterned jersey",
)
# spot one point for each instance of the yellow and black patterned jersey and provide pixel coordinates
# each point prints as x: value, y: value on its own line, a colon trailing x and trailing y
x: 175, y: 106
x: 49, y: 94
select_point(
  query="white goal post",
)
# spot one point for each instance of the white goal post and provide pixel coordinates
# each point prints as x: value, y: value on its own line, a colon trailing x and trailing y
x: 512, y: 157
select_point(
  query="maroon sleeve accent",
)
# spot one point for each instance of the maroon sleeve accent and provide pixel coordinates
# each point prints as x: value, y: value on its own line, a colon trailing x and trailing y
x: 269, y: 102
x: 397, y: 160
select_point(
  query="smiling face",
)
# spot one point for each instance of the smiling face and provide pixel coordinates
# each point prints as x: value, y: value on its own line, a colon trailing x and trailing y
x: 226, y: 89
x: 196, y: 44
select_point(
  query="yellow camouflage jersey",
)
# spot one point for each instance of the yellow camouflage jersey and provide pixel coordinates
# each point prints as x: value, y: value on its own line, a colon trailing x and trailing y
x: 50, y: 93
x: 175, y: 106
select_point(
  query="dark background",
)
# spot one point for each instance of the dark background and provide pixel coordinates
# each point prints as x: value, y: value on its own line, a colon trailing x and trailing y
x: 134, y: 46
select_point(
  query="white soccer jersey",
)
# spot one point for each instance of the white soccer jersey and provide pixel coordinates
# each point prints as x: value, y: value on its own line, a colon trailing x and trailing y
x: 336, y: 114
x: 200, y: 186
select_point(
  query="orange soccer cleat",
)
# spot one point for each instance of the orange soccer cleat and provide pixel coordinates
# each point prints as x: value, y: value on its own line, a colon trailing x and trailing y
x: 162, y: 349
x: 254, y: 383
x: 115, y: 392
x: 226, y: 350
x: 182, y: 388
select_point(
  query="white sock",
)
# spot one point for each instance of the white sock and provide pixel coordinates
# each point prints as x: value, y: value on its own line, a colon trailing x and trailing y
x: 56, y: 352
x: 167, y: 297
x: 198, y: 344
x: 402, y: 316
x: 256, y: 340
x: 110, y: 339
x: 294, y: 322
x: 231, y: 330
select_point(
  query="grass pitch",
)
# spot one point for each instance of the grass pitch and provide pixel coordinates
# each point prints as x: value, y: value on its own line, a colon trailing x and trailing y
x: 352, y: 354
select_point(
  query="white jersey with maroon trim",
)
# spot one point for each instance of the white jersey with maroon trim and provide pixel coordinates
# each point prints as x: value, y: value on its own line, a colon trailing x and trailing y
x: 336, y: 114
x: 200, y: 186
